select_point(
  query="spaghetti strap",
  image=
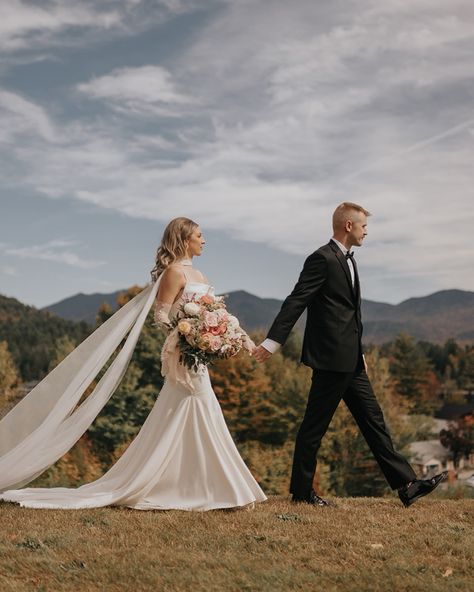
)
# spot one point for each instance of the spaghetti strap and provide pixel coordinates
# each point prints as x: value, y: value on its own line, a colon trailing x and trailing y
x: 183, y: 269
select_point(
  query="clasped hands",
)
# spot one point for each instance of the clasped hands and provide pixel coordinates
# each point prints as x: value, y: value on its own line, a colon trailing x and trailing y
x: 260, y: 353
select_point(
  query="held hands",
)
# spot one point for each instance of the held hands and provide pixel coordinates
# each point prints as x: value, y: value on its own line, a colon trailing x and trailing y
x: 261, y: 354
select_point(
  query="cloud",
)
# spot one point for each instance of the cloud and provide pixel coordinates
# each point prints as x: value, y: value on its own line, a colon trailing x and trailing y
x: 273, y: 126
x: 145, y: 89
x: 9, y: 270
x: 21, y: 116
x: 56, y: 251
x: 27, y: 25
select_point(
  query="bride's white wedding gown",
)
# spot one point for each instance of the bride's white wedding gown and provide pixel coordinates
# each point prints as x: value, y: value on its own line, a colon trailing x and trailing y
x: 182, y: 458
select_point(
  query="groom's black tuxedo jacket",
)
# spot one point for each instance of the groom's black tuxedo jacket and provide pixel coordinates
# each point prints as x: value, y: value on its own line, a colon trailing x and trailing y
x: 333, y: 333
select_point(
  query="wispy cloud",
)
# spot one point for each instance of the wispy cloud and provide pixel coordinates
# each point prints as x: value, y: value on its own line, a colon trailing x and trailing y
x: 28, y: 25
x: 56, y: 251
x: 21, y: 116
x: 146, y: 89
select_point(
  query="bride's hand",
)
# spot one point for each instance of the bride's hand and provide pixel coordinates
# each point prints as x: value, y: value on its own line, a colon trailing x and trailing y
x: 249, y: 345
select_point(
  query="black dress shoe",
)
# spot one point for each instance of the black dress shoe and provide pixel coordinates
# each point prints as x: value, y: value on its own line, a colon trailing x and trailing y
x: 313, y: 499
x: 420, y: 487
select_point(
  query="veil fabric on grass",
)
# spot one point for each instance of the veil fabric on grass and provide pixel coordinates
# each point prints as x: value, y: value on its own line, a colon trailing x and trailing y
x: 47, y: 422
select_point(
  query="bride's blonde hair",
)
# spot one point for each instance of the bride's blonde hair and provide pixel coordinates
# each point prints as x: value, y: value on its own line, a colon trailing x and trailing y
x: 173, y: 244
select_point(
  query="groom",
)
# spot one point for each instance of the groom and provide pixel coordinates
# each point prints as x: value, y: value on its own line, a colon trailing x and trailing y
x: 328, y: 287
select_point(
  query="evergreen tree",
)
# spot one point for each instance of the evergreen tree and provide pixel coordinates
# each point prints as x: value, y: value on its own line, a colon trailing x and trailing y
x: 459, y: 438
x: 413, y: 374
x: 64, y: 346
x: 32, y: 336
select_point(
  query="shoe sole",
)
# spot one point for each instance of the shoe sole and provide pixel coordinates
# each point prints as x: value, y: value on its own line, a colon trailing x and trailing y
x: 327, y: 504
x: 417, y: 497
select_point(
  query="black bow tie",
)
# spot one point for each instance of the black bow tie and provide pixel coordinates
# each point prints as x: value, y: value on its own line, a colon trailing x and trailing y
x: 350, y: 255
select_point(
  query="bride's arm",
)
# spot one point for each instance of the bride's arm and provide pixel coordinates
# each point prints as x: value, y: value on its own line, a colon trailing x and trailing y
x: 171, y: 284
x: 249, y: 345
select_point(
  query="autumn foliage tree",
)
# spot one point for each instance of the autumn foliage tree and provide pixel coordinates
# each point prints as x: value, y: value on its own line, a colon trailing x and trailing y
x: 9, y: 378
x: 244, y: 393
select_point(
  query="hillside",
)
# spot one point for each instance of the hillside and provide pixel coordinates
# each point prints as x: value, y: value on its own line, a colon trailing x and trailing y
x: 436, y: 318
x: 83, y: 307
x: 33, y: 335
x: 360, y: 545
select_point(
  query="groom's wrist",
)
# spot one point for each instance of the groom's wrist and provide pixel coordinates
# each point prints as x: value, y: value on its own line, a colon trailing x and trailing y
x: 270, y: 345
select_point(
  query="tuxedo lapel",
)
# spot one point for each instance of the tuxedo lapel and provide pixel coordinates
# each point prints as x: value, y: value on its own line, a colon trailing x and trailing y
x: 356, y: 282
x: 345, y: 266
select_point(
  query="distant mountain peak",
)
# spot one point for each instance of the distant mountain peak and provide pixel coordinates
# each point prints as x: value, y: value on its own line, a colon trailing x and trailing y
x: 435, y: 317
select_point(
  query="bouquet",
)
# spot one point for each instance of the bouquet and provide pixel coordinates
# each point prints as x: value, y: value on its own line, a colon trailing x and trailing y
x: 206, y: 331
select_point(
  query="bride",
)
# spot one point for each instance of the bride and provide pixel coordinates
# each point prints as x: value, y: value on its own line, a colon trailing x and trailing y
x: 183, y: 456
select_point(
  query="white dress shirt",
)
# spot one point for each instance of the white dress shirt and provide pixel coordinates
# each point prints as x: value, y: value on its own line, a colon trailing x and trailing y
x: 273, y: 346
x: 349, y: 260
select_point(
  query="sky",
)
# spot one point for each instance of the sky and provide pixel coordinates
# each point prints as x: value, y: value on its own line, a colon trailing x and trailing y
x: 255, y: 118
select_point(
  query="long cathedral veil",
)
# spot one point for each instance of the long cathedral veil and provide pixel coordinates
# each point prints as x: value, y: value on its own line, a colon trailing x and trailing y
x: 47, y: 422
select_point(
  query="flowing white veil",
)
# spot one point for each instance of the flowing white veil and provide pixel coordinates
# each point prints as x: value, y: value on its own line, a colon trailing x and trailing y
x: 45, y: 424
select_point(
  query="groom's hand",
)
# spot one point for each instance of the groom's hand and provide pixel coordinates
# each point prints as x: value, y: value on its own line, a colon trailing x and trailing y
x: 261, y: 354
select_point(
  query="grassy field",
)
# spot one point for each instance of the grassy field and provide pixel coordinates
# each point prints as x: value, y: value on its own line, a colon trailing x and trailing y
x: 363, y: 544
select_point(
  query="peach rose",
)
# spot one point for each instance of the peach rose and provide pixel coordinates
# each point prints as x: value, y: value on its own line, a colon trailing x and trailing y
x: 206, y: 299
x: 204, y: 342
x: 184, y: 327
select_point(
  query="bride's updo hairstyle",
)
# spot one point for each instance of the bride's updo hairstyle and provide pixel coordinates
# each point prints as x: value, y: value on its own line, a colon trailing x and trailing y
x: 172, y: 245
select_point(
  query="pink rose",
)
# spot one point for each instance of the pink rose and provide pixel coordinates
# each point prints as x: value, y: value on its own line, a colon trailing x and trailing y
x: 219, y: 330
x: 215, y: 343
x: 210, y: 319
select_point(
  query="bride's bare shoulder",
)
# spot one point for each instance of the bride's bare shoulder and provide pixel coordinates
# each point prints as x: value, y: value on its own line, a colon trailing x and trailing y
x: 172, y: 277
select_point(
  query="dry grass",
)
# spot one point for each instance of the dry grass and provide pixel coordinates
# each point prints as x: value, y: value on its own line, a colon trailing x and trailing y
x: 363, y: 544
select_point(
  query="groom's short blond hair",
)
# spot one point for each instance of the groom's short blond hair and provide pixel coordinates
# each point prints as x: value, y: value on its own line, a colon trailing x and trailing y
x: 344, y: 212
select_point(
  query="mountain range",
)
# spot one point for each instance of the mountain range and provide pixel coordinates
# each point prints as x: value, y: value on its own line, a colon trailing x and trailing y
x: 436, y: 318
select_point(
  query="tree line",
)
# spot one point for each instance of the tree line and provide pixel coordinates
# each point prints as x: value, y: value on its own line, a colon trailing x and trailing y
x: 263, y: 404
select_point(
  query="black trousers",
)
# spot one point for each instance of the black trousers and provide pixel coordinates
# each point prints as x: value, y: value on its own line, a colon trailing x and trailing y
x: 327, y: 389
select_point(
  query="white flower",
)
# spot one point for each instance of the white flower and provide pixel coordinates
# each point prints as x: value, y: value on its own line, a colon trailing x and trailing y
x: 233, y: 322
x: 191, y: 308
x: 222, y: 314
